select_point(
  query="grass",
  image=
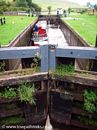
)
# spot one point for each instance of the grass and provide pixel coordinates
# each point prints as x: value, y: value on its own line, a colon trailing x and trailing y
x: 14, y: 25
x: 62, y: 70
x: 86, y: 26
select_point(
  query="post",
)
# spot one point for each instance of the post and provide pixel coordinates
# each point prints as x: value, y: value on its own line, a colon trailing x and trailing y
x: 52, y: 57
x: 94, y: 65
x: 44, y: 58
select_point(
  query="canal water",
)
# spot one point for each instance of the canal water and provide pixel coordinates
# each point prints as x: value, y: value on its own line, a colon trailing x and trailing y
x: 48, y: 126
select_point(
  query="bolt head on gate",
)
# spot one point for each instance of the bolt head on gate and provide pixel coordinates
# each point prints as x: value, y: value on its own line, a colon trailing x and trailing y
x: 52, y: 47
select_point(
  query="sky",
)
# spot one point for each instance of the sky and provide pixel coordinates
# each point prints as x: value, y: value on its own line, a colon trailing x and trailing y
x: 83, y: 2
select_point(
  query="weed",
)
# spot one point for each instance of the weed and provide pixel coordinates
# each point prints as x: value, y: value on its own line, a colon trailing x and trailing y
x: 36, y: 60
x: 64, y: 69
x: 2, y: 66
x: 87, y: 121
x: 27, y: 92
x: 8, y: 93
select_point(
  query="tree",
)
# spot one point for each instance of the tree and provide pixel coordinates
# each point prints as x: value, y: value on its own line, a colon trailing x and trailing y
x: 3, y: 3
x: 49, y: 9
x: 29, y: 2
x: 4, y: 6
x: 21, y: 3
x: 69, y: 10
x: 36, y: 7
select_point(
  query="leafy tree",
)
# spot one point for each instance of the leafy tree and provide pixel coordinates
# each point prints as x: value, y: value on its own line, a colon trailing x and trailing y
x: 29, y: 2
x: 4, y: 6
x: 49, y: 9
x: 36, y: 7
x: 21, y: 3
x: 2, y: 3
x: 18, y: 5
x: 69, y: 10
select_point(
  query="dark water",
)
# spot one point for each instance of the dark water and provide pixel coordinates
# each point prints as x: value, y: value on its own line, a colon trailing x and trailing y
x: 65, y: 128
x: 68, y: 128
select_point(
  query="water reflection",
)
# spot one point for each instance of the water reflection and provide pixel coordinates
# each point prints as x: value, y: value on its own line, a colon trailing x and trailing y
x: 48, y: 125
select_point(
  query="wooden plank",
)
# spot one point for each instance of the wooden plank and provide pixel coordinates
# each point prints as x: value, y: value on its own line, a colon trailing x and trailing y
x: 81, y: 125
x: 25, y: 71
x: 61, y: 118
x: 3, y: 100
x: 6, y: 113
x: 18, y: 52
x: 82, y: 79
x: 15, y: 80
x: 77, y: 52
x: 76, y: 96
x: 80, y: 111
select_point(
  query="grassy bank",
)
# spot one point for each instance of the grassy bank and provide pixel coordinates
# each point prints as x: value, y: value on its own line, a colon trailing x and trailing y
x: 85, y: 25
x: 14, y: 25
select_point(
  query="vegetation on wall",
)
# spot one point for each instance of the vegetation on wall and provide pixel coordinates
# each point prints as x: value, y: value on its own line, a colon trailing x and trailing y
x: 27, y: 93
x: 87, y: 121
x: 90, y: 98
x: 8, y: 93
